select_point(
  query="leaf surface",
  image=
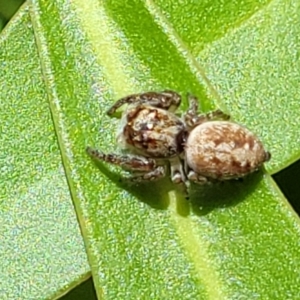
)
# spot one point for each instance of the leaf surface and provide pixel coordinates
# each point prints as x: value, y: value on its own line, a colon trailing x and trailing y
x: 232, y: 241
x: 41, y: 250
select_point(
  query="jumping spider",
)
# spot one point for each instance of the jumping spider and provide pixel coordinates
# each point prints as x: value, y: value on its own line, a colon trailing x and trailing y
x: 199, y: 148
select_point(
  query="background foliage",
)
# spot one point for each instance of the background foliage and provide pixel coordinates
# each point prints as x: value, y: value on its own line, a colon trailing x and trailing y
x: 235, y: 71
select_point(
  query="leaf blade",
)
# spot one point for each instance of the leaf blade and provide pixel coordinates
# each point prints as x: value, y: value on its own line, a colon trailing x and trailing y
x: 134, y: 249
x: 253, y: 66
x: 41, y: 249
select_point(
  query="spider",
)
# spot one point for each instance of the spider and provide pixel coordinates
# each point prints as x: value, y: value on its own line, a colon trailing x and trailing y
x: 197, y: 148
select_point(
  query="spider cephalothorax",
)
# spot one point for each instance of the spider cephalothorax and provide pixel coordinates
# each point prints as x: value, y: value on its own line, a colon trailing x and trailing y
x: 197, y: 148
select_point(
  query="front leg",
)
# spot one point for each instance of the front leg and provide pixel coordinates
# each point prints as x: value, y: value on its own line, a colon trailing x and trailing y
x: 192, y: 118
x: 168, y: 100
x: 157, y: 173
x: 145, y: 167
x: 133, y: 163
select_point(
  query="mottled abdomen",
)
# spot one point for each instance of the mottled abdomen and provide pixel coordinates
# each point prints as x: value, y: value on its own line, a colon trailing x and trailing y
x: 224, y: 150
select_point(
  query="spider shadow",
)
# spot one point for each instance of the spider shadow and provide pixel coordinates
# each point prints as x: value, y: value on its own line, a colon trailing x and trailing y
x: 224, y: 194
x: 154, y: 194
x: 203, y: 199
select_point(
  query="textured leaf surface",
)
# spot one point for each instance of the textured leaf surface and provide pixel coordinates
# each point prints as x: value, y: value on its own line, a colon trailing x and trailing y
x: 41, y: 249
x: 233, y: 241
x: 249, y: 52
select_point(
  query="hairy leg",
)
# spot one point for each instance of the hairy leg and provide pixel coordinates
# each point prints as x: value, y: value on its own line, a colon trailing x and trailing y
x: 178, y: 176
x: 145, y: 168
x: 192, y: 118
x: 194, y: 177
x: 167, y: 100
x: 157, y: 173
x: 128, y: 162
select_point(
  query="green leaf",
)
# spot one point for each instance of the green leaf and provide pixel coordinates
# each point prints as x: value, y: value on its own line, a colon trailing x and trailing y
x: 255, y: 69
x: 41, y: 249
x: 9, y: 8
x: 232, y: 241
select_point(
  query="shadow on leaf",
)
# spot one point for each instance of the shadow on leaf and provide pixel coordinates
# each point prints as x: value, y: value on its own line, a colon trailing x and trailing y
x: 154, y: 194
x: 204, y: 199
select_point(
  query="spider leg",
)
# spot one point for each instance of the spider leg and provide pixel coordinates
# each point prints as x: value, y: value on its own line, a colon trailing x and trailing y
x: 194, y: 177
x: 157, y: 173
x: 192, y: 118
x: 133, y: 163
x: 145, y: 168
x: 178, y: 176
x: 177, y: 173
x: 168, y: 100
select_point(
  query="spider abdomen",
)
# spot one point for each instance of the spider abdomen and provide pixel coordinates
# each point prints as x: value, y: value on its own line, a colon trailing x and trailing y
x: 224, y: 150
